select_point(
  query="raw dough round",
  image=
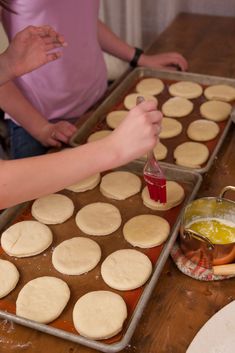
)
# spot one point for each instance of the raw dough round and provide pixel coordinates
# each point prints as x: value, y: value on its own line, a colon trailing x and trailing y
x: 146, y: 231
x: 159, y: 151
x: 85, y: 184
x: 26, y: 238
x: 76, y: 256
x: 126, y: 269
x: 175, y: 195
x: 170, y: 128
x: 98, y: 135
x: 120, y: 185
x: 9, y: 277
x: 99, y: 315
x: 150, y: 85
x: 177, y: 107
x: 98, y: 218
x: 203, y: 130
x: 52, y: 209
x: 222, y: 92
x: 186, y: 89
x: 191, y: 154
x: 43, y: 299
x: 114, y: 119
x: 130, y: 99
x: 215, y: 110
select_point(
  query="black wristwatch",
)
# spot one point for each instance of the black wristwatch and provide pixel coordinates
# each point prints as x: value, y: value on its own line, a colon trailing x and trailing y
x: 135, y: 59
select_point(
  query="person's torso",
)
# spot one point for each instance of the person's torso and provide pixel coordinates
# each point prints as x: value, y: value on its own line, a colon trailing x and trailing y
x: 68, y: 86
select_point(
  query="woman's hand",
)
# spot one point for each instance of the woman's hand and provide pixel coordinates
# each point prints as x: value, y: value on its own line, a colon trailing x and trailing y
x: 32, y: 48
x: 138, y: 133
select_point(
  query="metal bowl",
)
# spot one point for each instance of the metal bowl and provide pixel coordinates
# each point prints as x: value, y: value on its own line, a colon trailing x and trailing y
x: 197, y: 247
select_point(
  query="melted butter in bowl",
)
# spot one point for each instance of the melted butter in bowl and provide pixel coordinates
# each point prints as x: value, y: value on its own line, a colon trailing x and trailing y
x: 218, y: 231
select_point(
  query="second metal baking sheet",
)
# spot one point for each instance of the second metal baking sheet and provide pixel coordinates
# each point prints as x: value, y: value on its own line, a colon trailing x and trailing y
x: 96, y: 121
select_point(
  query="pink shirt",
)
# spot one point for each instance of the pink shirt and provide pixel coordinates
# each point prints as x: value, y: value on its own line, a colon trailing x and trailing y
x: 71, y: 85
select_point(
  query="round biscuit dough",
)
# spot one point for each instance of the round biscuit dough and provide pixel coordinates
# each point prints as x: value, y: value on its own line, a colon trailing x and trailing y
x: 114, y: 119
x: 130, y: 99
x: 216, y: 110
x: 191, y: 154
x: 202, y: 130
x: 26, y: 238
x: 152, y: 86
x: 175, y: 195
x: 9, y: 277
x: 98, y: 218
x: 170, y: 128
x: 42, y: 299
x: 52, y: 209
x: 76, y: 256
x: 146, y: 231
x: 85, y: 184
x: 186, y: 89
x: 177, y: 107
x: 120, y: 185
x: 98, y: 135
x: 160, y: 152
x: 126, y: 269
x: 99, y: 315
x: 222, y: 92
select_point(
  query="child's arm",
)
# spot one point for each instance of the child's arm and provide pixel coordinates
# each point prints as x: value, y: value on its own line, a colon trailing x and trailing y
x: 112, y: 44
x: 31, y: 119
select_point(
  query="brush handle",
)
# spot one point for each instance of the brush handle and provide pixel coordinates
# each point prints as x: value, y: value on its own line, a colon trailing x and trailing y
x: 152, y: 166
x: 150, y: 156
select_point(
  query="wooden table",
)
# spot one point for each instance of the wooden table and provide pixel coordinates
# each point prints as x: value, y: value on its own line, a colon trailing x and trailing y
x: 179, y: 305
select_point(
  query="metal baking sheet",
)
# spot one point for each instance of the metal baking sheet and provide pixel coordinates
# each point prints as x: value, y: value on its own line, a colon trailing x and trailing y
x: 41, y: 264
x: 114, y: 101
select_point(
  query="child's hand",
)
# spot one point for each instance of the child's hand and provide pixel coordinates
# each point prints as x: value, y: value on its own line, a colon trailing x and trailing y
x: 54, y: 134
x: 32, y: 48
x: 164, y: 60
x: 138, y: 133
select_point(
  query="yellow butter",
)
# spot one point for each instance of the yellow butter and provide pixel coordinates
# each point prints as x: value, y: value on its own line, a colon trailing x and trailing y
x: 216, y: 230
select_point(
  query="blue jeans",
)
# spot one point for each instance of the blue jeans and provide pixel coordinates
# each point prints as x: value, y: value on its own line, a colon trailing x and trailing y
x: 22, y: 144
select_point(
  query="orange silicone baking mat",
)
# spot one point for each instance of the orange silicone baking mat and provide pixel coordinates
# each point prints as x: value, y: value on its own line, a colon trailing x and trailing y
x: 41, y: 265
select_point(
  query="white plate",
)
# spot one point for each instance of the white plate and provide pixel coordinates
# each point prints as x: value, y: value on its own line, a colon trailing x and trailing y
x: 218, y: 333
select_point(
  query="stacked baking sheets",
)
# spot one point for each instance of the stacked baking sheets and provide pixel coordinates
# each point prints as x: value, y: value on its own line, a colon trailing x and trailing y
x: 97, y: 120
x: 41, y: 265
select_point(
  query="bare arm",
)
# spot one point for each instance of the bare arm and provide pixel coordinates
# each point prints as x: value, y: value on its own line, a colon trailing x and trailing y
x: 113, y: 45
x: 25, y: 179
x: 33, y: 121
x: 31, y: 48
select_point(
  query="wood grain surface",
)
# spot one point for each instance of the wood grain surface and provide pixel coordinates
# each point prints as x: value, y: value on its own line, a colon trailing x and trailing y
x: 179, y: 305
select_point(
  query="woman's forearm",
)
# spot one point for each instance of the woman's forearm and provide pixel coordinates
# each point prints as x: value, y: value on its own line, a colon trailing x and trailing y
x: 29, y: 178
